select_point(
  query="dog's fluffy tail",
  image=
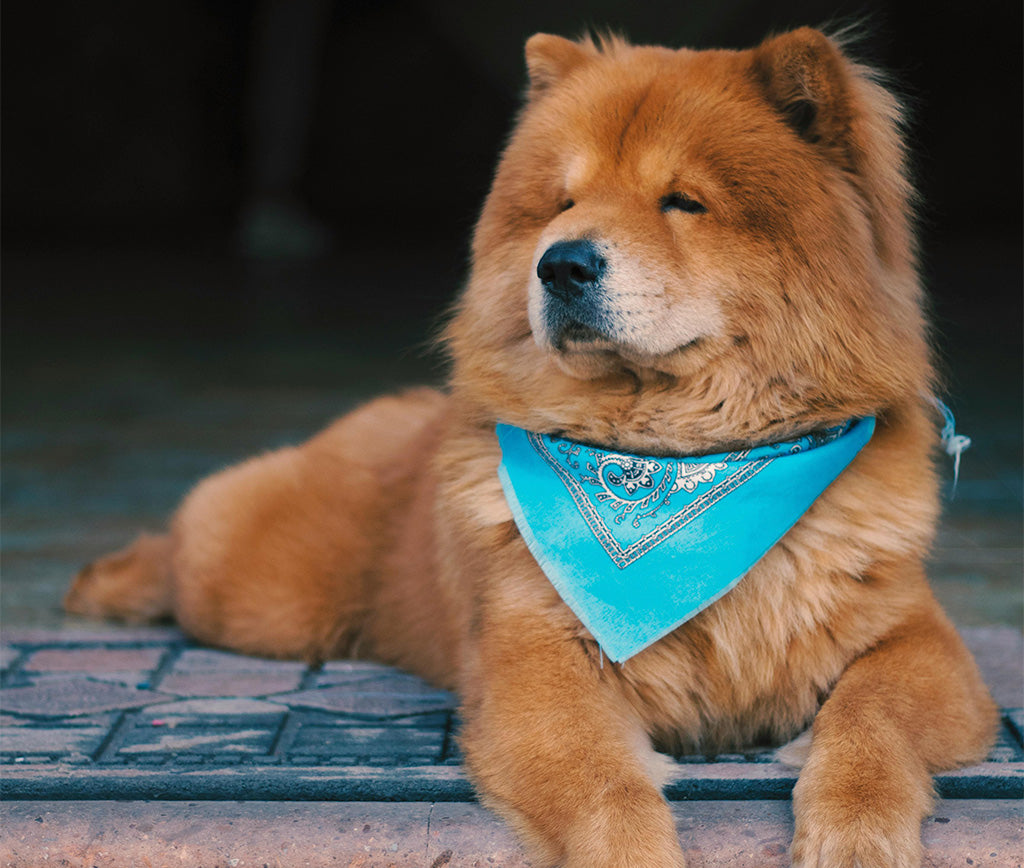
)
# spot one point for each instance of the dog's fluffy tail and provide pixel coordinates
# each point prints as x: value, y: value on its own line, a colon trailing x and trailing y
x: 133, y: 584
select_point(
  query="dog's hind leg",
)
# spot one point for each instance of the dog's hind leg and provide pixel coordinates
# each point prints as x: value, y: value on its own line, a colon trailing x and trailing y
x: 262, y: 558
x: 282, y: 555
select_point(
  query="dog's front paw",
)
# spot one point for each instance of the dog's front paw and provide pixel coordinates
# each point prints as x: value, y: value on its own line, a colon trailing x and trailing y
x: 860, y: 844
x: 851, y: 827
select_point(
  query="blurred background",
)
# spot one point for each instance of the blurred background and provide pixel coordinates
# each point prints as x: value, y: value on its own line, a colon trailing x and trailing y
x: 226, y: 222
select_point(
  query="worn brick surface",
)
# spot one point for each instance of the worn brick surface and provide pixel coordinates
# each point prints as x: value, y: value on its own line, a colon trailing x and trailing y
x: 1008, y: 744
x: 68, y: 697
x: 391, y: 743
x: 141, y: 680
x: 205, y: 710
x: 206, y: 660
x: 393, y: 683
x: 104, y: 719
x: 8, y: 655
x: 353, y: 672
x: 350, y: 699
x: 51, y: 741
x: 202, y: 740
x: 106, y: 660
x: 230, y: 683
x: 1000, y: 655
x: 91, y: 634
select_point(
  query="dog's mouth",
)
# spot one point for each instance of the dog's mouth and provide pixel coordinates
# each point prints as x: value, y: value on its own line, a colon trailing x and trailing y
x: 585, y: 353
x: 575, y: 336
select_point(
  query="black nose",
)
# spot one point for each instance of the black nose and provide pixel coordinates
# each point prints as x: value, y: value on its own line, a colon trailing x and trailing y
x: 569, y: 268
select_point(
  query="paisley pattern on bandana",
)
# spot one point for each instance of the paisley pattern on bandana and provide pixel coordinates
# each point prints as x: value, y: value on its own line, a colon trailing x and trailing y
x: 636, y: 545
x: 611, y: 487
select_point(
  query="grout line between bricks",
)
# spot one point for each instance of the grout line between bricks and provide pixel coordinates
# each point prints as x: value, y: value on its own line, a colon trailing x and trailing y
x: 289, y: 726
x: 285, y: 735
x: 308, y: 679
x: 447, y: 737
x: 1010, y: 724
x: 15, y: 669
x: 91, y: 644
x: 112, y: 739
x: 170, y: 657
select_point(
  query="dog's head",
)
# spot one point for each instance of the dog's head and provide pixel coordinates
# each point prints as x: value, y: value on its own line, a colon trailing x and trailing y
x: 684, y: 250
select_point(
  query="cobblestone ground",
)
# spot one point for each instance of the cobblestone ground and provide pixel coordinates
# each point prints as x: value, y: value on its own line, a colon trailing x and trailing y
x: 134, y: 747
x: 103, y: 707
x: 142, y: 713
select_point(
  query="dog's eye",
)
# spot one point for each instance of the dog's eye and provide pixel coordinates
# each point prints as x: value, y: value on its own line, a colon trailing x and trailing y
x: 681, y: 202
x: 565, y: 205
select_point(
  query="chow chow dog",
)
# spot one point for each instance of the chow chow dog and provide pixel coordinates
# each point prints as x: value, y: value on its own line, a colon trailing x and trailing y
x: 683, y: 253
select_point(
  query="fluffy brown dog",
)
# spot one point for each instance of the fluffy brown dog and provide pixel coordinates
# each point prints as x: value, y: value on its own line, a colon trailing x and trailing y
x: 753, y: 218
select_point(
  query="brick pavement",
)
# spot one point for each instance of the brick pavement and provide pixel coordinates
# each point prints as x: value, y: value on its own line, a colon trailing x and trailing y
x: 125, y: 712
x: 90, y: 719
x: 106, y: 706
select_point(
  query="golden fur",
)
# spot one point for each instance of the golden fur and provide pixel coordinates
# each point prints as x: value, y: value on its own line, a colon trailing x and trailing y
x: 790, y: 303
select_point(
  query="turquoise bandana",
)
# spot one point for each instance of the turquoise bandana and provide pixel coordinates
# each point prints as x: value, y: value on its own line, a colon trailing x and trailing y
x: 635, y: 545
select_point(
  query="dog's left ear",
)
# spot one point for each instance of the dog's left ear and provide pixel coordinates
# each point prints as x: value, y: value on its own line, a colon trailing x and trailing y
x: 839, y: 106
x: 804, y: 76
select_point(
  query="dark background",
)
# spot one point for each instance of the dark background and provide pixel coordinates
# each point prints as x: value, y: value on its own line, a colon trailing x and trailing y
x: 137, y: 126
x: 226, y: 222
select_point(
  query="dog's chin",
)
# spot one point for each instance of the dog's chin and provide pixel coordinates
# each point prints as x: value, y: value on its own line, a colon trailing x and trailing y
x: 587, y: 363
x: 585, y: 354
x: 580, y: 351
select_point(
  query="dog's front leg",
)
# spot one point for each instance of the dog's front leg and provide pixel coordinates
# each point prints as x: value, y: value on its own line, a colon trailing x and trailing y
x: 554, y: 747
x: 913, y: 705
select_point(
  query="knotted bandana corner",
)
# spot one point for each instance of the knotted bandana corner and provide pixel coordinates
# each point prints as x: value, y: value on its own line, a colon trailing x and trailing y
x: 954, y: 444
x: 638, y: 545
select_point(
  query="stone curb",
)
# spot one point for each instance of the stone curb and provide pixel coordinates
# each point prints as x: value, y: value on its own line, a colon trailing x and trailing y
x: 753, y: 834
x: 732, y: 781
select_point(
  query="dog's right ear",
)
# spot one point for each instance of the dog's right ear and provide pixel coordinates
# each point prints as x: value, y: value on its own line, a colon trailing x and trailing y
x: 550, y: 58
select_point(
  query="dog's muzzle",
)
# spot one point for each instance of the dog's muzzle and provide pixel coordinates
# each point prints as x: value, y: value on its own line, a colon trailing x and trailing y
x: 571, y: 273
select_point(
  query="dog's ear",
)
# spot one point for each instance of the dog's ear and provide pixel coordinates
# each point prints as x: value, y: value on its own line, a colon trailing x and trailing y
x: 550, y: 58
x: 840, y: 107
x: 804, y: 77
